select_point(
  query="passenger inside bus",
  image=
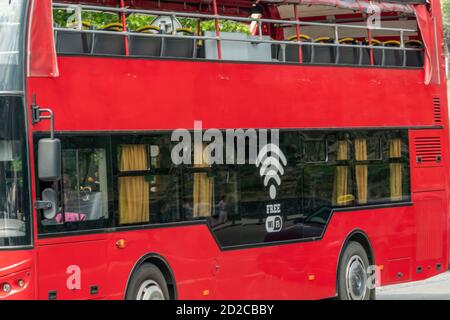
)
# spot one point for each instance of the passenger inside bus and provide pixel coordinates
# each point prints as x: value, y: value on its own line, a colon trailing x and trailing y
x: 325, y: 34
x: 84, y: 196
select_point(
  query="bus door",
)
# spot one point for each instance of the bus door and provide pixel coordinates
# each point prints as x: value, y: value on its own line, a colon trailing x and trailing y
x: 72, y: 245
x: 71, y: 268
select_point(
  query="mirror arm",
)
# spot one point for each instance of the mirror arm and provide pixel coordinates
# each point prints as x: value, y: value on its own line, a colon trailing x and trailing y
x: 37, y: 116
x: 43, y: 205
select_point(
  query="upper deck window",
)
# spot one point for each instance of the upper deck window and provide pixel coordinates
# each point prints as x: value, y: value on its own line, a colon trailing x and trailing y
x: 317, y: 32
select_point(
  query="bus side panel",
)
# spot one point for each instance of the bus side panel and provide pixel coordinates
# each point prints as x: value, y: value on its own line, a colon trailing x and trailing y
x: 297, y: 270
x: 308, y: 270
x: 430, y: 232
x: 227, y: 95
x: 189, y: 251
x: 430, y: 193
x: 302, y: 270
x: 72, y: 268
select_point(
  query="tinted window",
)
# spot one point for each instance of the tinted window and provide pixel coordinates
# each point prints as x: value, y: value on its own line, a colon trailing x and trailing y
x: 324, y: 170
x: 147, y: 182
x: 213, y: 195
x: 164, y: 198
x: 85, y: 185
x: 252, y: 205
x: 314, y: 148
x: 226, y: 220
x: 14, y: 208
x: 85, y: 200
x: 381, y: 167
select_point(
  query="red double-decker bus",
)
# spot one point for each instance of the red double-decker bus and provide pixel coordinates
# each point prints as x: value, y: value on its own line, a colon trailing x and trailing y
x: 95, y: 96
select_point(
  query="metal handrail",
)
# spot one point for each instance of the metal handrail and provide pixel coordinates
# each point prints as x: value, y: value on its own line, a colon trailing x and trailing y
x: 9, y: 23
x: 77, y: 9
x: 221, y: 17
x: 256, y: 40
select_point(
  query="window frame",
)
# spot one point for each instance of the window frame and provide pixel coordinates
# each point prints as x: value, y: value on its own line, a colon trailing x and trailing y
x: 385, y: 135
x: 77, y: 142
x: 148, y: 140
x: 110, y: 142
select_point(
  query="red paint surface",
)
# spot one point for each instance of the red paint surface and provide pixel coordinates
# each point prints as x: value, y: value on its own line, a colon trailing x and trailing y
x: 133, y: 94
x: 275, y: 272
x: 111, y: 94
x: 108, y: 94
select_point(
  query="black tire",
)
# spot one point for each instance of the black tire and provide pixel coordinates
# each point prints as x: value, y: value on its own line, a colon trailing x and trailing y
x: 146, y: 272
x: 355, y: 255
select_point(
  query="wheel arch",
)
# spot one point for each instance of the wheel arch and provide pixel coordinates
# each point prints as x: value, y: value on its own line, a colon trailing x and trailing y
x: 362, y: 238
x: 163, y: 266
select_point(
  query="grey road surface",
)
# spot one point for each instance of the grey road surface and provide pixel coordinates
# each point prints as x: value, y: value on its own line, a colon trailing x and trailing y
x: 436, y: 288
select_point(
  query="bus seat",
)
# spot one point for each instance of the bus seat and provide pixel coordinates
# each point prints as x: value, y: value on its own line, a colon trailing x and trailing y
x: 392, y: 57
x: 259, y: 51
x: 110, y: 44
x: 90, y: 207
x: 73, y: 42
x: 348, y: 55
x: 291, y: 51
x: 323, y: 54
x: 364, y: 56
x: 145, y: 45
x: 238, y: 46
x: 414, y: 58
x: 179, y: 47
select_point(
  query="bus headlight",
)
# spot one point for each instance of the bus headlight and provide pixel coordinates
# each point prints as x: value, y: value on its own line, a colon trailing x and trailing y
x: 16, y: 284
x: 21, y: 283
x: 6, y: 287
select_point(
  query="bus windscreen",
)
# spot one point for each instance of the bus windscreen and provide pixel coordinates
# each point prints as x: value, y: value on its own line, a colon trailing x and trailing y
x: 14, y: 216
x: 11, y: 43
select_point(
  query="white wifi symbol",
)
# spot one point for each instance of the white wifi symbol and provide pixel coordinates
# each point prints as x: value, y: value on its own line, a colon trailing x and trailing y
x: 271, y: 167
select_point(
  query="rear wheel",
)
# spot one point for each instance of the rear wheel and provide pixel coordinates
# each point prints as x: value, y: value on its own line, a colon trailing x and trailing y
x: 353, y: 281
x: 147, y: 283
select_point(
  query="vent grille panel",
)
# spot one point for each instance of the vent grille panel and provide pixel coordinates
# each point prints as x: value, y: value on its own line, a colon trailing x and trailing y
x: 437, y: 110
x: 428, y: 149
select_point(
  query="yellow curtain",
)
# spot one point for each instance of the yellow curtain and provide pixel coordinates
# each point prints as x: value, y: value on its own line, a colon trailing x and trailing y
x: 203, y: 186
x: 134, y: 192
x: 395, y: 152
x: 361, y: 170
x: 340, y: 189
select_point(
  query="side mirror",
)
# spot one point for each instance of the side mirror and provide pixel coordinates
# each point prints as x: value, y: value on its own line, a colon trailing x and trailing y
x: 49, y: 159
x: 49, y: 203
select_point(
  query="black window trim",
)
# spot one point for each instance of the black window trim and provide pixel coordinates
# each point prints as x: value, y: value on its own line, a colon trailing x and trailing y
x: 114, y: 173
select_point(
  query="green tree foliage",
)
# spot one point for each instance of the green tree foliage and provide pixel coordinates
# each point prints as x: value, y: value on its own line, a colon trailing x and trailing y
x: 62, y: 18
x: 446, y: 18
x: 98, y: 20
x: 136, y: 21
x: 210, y: 25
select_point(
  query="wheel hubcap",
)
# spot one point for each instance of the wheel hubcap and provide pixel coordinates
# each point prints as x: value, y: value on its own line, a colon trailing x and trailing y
x: 356, y: 279
x: 150, y: 290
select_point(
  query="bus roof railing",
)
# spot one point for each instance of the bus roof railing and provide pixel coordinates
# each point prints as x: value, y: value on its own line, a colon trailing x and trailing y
x: 256, y: 40
x: 78, y: 8
x: 222, y: 17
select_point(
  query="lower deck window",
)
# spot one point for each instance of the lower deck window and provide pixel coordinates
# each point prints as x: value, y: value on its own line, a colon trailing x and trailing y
x: 146, y: 192
x: 85, y: 185
x: 133, y: 176
x: 84, y: 189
